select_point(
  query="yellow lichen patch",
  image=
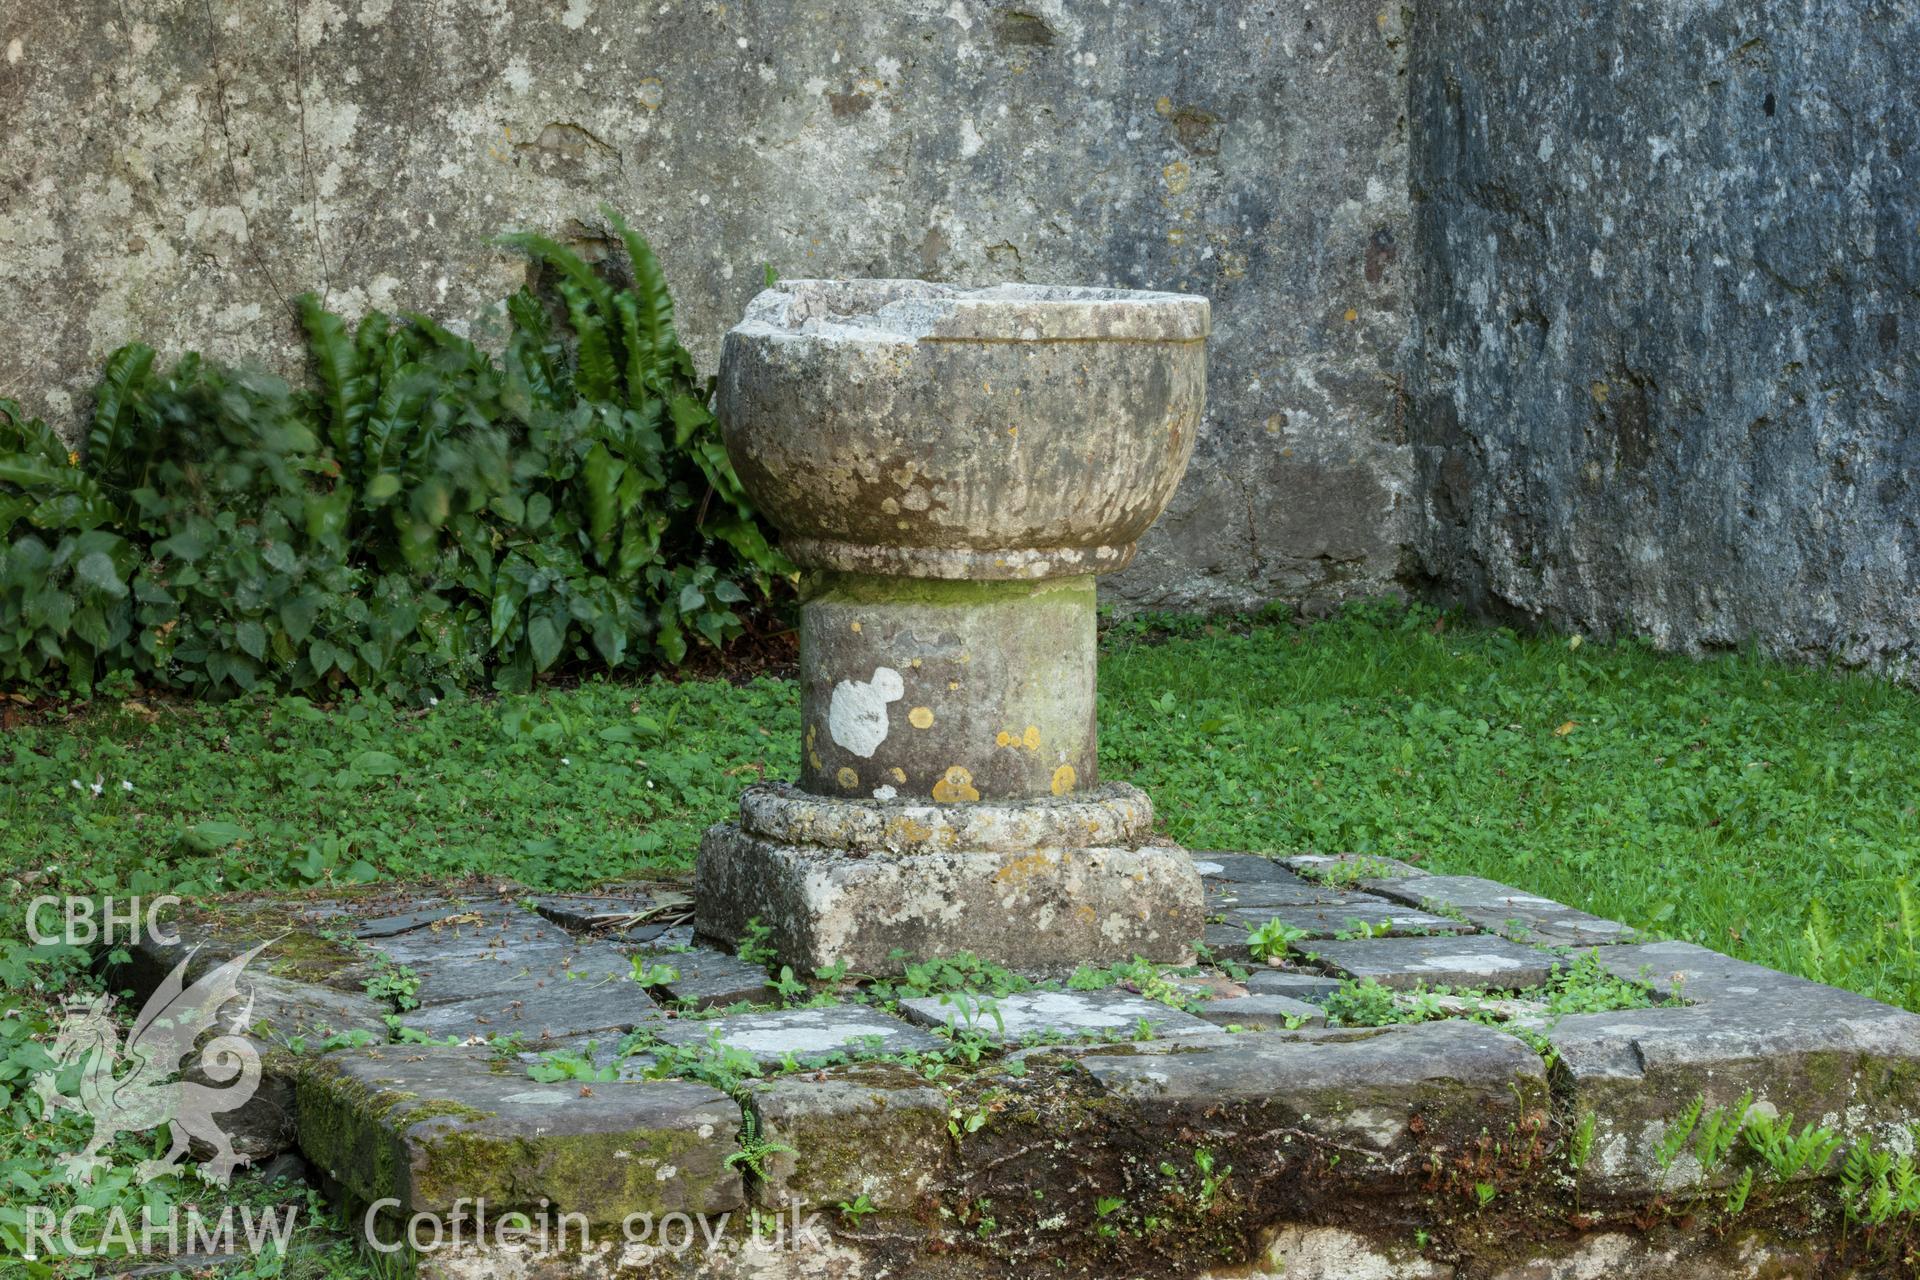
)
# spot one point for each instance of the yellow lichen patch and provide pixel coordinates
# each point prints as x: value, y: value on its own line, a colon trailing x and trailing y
x: 848, y: 778
x: 1063, y: 779
x: 921, y: 717
x: 1177, y: 175
x: 955, y: 787
x: 1023, y: 869
x: 813, y: 757
x: 907, y: 831
x: 1031, y: 737
x: 1003, y: 739
x: 1351, y: 315
x: 899, y: 774
x: 1599, y: 392
x: 856, y: 628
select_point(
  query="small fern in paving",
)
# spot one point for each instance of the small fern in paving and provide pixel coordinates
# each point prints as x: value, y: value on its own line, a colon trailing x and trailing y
x: 426, y: 517
x: 754, y: 1149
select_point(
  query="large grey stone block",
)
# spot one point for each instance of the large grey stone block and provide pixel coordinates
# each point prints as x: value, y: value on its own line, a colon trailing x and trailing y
x: 431, y: 1128
x: 1042, y: 909
x: 1830, y: 1057
x: 873, y: 1130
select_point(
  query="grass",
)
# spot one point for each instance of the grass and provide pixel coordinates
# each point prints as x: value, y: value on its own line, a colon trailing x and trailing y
x: 1764, y: 810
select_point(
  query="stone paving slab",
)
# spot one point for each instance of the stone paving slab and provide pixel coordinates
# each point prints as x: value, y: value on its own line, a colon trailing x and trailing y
x: 1405, y: 963
x: 522, y: 970
x: 1068, y: 1015
x: 427, y: 911
x: 432, y: 1127
x: 1277, y: 1103
x: 709, y: 978
x: 1301, y: 986
x: 1391, y: 1091
x: 470, y: 931
x: 582, y: 912
x: 1330, y: 922
x: 1262, y: 1012
x: 281, y: 1015
x: 1502, y: 909
x: 1244, y: 869
x: 1223, y: 895
x: 1341, y: 866
x: 1698, y: 974
x: 540, y: 1012
x: 836, y: 1124
x: 801, y: 1033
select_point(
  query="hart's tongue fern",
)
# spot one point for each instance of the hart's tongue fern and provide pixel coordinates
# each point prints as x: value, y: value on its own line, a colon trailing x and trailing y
x: 426, y: 514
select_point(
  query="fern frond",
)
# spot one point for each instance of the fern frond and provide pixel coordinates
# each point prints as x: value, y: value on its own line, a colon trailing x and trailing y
x: 650, y: 286
x: 596, y: 374
x: 639, y: 353
x: 347, y: 394
x: 447, y: 340
x: 569, y: 264
x: 530, y: 345
x: 128, y: 374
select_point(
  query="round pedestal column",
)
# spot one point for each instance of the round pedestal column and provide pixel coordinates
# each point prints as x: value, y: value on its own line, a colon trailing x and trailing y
x: 951, y: 691
x: 952, y: 466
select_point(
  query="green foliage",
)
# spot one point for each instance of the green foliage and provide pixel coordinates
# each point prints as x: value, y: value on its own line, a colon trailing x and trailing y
x: 1580, y: 1141
x: 756, y: 943
x: 712, y: 1061
x: 648, y: 974
x: 1786, y: 1153
x: 394, y: 983
x: 1139, y: 975
x: 1877, y: 1186
x: 754, y: 1148
x: 565, y: 1064
x: 1586, y: 986
x: 1759, y: 808
x: 426, y: 517
x: 962, y: 971
x: 1367, y: 1004
x: 1270, y: 941
x: 857, y: 1208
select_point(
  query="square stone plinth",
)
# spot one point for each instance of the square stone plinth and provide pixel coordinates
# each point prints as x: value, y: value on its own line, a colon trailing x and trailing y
x: 1040, y: 909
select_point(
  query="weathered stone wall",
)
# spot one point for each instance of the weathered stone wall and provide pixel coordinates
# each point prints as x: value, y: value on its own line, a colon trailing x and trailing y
x: 1667, y: 328
x: 176, y: 170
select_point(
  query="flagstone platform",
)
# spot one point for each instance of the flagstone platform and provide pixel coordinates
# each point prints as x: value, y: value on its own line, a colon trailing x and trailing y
x: 1217, y: 1120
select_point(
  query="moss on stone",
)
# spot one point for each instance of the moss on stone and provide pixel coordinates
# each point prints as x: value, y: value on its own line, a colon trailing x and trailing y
x: 862, y: 589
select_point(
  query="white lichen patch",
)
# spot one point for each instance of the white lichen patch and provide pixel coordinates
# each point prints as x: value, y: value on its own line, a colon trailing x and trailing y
x: 1473, y: 962
x: 857, y: 712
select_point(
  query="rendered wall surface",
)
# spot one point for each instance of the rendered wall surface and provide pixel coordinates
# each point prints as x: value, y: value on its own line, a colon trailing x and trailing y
x: 176, y: 170
x: 1667, y: 367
